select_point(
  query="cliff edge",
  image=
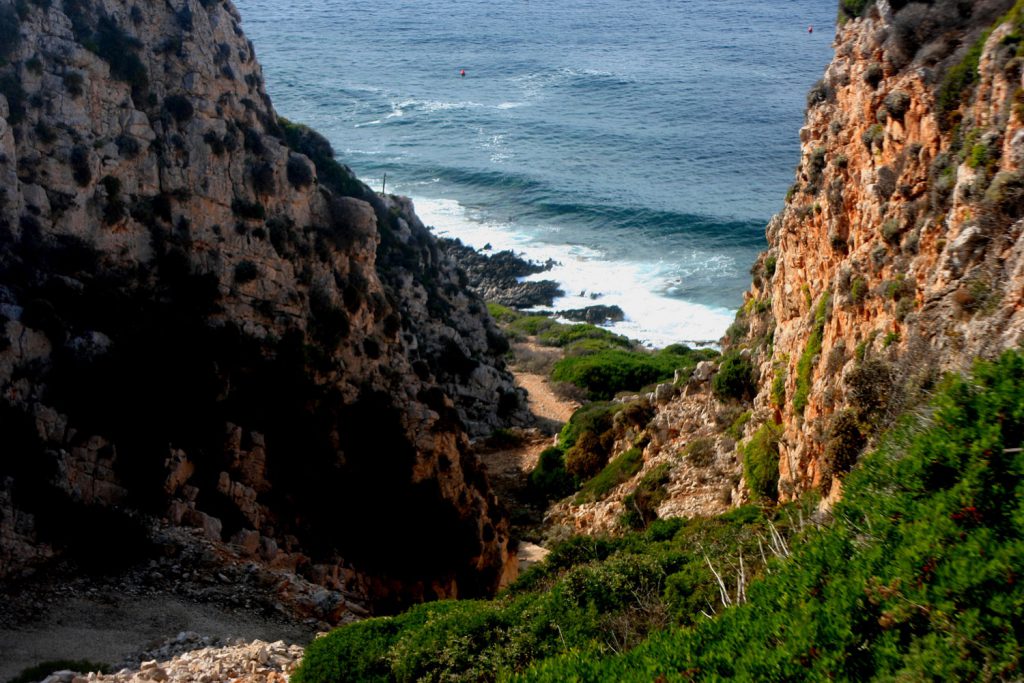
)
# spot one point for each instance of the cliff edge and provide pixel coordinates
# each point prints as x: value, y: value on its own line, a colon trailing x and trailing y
x: 207, y: 320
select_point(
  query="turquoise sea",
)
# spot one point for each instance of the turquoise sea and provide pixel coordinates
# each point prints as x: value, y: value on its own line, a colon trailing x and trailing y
x: 642, y: 145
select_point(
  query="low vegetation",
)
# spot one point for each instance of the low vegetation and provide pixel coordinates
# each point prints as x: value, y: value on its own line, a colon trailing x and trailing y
x: 914, y: 578
x: 592, y: 595
x: 597, y: 360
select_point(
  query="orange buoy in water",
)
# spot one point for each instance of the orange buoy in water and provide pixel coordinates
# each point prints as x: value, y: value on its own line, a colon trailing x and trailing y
x: 810, y: 29
x: 462, y: 72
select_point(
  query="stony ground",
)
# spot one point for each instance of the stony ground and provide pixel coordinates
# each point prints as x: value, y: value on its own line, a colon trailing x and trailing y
x: 190, y: 657
x: 233, y: 622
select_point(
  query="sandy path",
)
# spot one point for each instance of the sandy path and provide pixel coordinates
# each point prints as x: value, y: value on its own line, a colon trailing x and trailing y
x: 543, y: 402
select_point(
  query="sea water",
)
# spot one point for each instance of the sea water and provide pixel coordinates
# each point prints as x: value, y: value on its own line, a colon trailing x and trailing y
x: 643, y: 146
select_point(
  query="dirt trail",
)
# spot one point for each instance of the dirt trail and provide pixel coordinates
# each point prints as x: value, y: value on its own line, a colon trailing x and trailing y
x: 544, y: 403
x: 509, y: 468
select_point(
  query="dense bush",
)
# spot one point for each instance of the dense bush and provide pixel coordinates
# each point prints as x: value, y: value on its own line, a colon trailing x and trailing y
x: 246, y: 209
x: 641, y: 506
x: 299, y: 173
x: 606, y: 372
x: 41, y: 671
x: 331, y: 174
x: 761, y: 462
x: 956, y: 84
x: 734, y: 379
x: 844, y: 442
x: 549, y: 480
x: 119, y: 50
x: 809, y: 358
x: 896, y: 104
x: 624, y: 466
x: 246, y: 271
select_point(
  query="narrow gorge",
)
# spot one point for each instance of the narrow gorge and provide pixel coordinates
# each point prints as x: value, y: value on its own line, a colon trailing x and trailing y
x: 235, y: 372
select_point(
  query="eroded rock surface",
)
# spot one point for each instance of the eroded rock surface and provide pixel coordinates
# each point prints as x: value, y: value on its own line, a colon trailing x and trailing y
x: 209, y: 320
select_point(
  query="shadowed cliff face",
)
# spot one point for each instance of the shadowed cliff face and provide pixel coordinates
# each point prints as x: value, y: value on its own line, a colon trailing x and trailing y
x: 206, y: 318
x: 898, y: 255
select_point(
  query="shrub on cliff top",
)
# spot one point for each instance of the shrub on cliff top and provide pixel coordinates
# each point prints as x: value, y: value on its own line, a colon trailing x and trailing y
x: 331, y: 174
x: 850, y: 9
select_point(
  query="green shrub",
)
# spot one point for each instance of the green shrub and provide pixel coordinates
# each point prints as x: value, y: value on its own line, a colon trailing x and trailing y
x: 248, y: 210
x: 891, y: 231
x: 299, y: 173
x: 330, y: 173
x: 74, y: 83
x: 869, y: 384
x: 896, y: 104
x: 779, y: 383
x: 614, y: 473
x: 10, y: 88
x: 641, y: 506
x: 81, y: 169
x: 851, y: 9
x: 874, y: 137
x: 735, y: 430
x: 956, y: 84
x: 502, y: 314
x: 700, y: 451
x: 874, y: 74
x: 549, y: 479
x: 734, y: 379
x: 770, y: 263
x: 761, y: 462
x: 606, y: 372
x: 843, y: 444
x: 809, y: 359
x: 120, y: 51
x: 10, y: 32
x: 356, y: 653
x: 558, y: 334
x: 530, y: 325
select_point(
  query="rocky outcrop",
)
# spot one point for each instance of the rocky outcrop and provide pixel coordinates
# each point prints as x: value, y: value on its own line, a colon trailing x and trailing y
x: 595, y: 315
x: 898, y: 255
x: 497, y: 277
x: 207, y: 318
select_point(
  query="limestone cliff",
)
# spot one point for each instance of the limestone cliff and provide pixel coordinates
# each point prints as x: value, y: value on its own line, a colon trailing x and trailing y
x: 898, y: 255
x: 207, y: 319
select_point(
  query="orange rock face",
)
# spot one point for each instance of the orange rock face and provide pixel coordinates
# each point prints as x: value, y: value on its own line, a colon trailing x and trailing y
x: 898, y: 253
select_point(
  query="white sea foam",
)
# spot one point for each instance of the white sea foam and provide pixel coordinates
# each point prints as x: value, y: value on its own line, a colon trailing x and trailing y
x: 587, y: 276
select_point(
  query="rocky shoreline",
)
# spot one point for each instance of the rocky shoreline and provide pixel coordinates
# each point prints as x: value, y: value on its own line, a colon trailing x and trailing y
x: 495, y: 277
